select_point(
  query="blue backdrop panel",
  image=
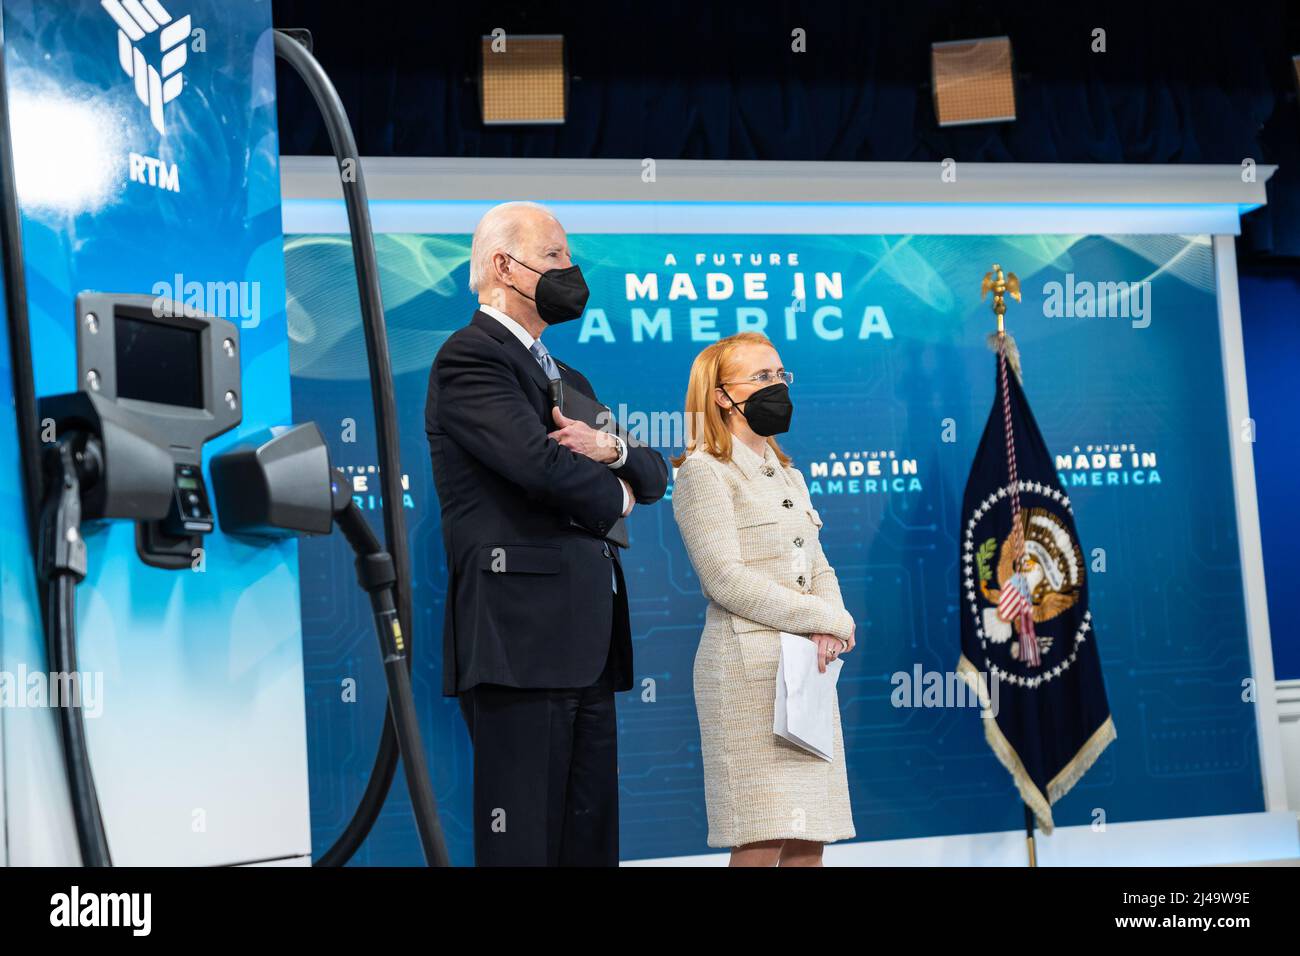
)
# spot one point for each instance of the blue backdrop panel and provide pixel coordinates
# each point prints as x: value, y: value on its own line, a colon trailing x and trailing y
x: 1270, y: 303
x: 150, y: 164
x: 892, y: 387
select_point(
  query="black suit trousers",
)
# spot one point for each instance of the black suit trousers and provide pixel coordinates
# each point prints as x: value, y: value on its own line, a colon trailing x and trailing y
x: 545, y: 773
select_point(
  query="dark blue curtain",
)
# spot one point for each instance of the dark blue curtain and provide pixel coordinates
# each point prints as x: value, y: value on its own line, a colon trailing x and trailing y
x: 1178, y: 83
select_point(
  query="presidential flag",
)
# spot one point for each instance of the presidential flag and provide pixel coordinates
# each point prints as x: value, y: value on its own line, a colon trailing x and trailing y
x: 1025, y: 622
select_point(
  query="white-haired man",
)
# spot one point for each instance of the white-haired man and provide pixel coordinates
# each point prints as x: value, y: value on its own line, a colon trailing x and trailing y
x: 536, y: 637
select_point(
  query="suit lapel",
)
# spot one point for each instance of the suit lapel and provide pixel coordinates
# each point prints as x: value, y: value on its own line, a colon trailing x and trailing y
x: 512, y: 346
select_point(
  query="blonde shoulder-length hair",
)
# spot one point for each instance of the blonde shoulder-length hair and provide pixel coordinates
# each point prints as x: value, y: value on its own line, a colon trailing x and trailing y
x: 705, y: 426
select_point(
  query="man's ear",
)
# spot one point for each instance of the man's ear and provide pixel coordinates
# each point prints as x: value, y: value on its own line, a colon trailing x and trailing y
x: 501, y: 263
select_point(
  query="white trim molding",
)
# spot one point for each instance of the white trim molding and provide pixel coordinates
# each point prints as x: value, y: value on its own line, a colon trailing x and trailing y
x: 1188, y: 841
x: 448, y: 196
x: 1249, y: 547
x: 712, y: 181
x: 1288, y: 715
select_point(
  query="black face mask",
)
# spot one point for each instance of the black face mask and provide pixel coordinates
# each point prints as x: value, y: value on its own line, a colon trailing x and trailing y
x: 768, y: 411
x: 561, y: 293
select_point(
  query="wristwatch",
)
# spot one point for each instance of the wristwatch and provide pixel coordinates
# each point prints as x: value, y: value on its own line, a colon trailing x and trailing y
x: 621, y: 457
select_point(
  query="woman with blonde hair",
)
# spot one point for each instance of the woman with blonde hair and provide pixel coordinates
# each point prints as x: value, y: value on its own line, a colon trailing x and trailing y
x: 750, y: 529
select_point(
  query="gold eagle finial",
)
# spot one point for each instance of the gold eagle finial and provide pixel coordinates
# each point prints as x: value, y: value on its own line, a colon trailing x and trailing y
x: 1002, y: 284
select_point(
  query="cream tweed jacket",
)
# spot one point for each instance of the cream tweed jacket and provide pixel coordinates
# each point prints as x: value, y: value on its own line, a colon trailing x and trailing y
x: 751, y: 532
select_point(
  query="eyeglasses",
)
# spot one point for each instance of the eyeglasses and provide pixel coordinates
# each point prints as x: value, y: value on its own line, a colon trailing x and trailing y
x: 766, y: 377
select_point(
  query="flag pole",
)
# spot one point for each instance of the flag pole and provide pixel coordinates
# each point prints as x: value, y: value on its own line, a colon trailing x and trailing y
x: 1001, y: 284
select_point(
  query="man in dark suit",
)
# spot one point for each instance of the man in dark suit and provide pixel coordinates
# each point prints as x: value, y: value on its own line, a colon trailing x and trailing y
x: 536, y: 638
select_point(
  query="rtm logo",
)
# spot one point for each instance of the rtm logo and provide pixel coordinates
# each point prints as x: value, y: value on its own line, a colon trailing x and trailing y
x: 154, y: 172
x: 136, y: 20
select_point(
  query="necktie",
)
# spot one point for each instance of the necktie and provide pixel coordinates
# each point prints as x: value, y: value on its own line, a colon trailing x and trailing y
x: 544, y: 360
x: 552, y: 372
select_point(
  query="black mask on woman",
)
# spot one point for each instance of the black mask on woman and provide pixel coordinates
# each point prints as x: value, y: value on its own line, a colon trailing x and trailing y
x: 561, y: 293
x: 768, y: 411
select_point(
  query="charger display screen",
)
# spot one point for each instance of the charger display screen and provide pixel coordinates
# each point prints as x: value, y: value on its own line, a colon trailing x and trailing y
x: 157, y: 362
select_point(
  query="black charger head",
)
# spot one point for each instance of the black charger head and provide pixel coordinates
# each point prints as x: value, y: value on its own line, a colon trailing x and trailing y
x: 127, y: 470
x: 276, y: 484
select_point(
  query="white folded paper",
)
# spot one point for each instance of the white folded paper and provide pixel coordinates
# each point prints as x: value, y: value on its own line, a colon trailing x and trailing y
x: 805, y: 697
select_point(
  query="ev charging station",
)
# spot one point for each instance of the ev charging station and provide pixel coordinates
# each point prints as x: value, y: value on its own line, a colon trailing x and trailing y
x: 153, y: 479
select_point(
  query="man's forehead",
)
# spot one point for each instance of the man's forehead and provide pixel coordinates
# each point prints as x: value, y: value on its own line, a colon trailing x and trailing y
x: 543, y: 229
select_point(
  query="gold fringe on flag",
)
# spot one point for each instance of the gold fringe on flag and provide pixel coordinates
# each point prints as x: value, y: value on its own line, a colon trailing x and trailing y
x: 1059, y: 785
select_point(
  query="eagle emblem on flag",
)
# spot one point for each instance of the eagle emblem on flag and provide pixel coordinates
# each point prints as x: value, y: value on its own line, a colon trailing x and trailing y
x: 1047, y: 586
